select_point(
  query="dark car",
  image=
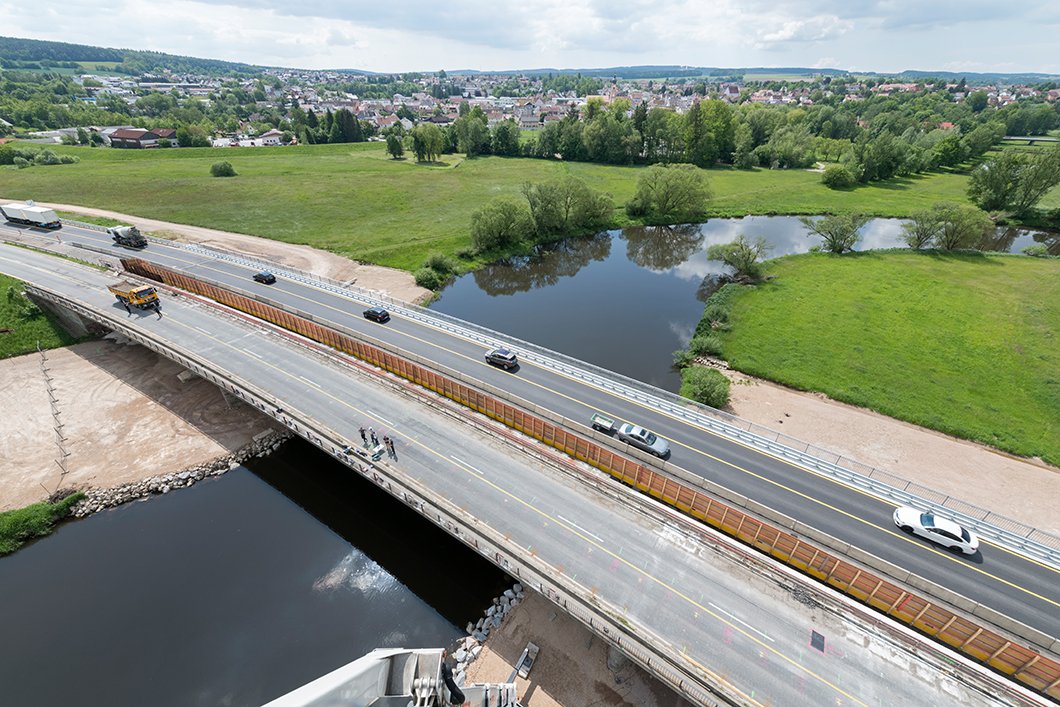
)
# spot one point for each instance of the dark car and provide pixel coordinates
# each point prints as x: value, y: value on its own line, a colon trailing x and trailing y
x: 502, y: 357
x: 377, y: 314
x: 265, y: 277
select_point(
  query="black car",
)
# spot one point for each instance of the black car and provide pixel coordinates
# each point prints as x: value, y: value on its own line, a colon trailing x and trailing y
x: 502, y: 357
x: 265, y: 277
x: 377, y: 314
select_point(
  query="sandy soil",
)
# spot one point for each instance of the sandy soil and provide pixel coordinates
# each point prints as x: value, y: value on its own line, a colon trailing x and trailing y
x: 1022, y: 489
x: 388, y: 281
x: 1026, y: 490
x: 125, y: 414
x: 571, y: 668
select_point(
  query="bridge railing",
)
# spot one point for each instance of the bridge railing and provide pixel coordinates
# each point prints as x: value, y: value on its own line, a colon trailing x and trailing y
x: 1037, y: 543
x: 739, y: 517
x: 651, y: 652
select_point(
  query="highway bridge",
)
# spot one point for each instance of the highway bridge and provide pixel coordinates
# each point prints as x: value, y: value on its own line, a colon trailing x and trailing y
x: 709, y: 613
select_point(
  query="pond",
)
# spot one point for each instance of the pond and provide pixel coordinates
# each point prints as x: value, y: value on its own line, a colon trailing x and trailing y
x: 626, y: 300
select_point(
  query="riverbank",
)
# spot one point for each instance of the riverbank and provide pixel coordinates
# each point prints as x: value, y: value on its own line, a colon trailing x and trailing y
x: 127, y: 414
x: 573, y: 667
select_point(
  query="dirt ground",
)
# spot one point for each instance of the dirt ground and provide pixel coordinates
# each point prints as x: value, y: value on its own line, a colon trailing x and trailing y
x: 1022, y: 489
x: 571, y: 667
x: 126, y: 416
x: 388, y: 281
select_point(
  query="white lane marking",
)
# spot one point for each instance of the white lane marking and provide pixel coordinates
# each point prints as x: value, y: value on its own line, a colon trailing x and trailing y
x: 380, y: 418
x: 309, y: 381
x: 731, y: 616
x: 252, y: 353
x: 210, y: 333
x: 464, y: 463
x: 575, y: 525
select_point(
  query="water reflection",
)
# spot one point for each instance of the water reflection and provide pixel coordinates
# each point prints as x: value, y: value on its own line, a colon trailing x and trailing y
x: 629, y: 311
x: 552, y: 263
x: 660, y: 248
x: 1014, y: 240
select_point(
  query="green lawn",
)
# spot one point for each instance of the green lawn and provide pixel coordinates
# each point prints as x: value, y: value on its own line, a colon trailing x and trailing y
x: 966, y: 344
x: 354, y: 200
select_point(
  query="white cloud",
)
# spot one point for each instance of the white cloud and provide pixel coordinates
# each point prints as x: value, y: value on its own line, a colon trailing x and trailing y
x: 879, y: 35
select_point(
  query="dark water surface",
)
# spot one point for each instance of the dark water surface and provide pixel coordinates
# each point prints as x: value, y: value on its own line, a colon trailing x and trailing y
x: 228, y: 593
x: 626, y: 300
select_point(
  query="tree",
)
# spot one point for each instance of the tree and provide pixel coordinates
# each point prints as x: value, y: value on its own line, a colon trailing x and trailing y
x: 949, y: 150
x: 565, y: 205
x: 978, y: 101
x: 502, y: 222
x: 427, y: 142
x: 840, y: 232
x: 1015, y: 180
x: 960, y: 226
x: 921, y: 229
x: 678, y: 192
x: 394, y: 148
x: 742, y: 255
x: 223, y: 168
x: 506, y: 139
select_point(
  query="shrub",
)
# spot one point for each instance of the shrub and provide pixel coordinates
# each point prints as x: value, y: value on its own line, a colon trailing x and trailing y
x: 223, y: 168
x: 69, y: 159
x: 706, y: 345
x: 705, y: 385
x: 21, y: 162
x: 1037, y: 250
x: 429, y: 278
x: 440, y: 263
x: 46, y: 157
x: 466, y: 252
x: 683, y: 358
x: 836, y: 176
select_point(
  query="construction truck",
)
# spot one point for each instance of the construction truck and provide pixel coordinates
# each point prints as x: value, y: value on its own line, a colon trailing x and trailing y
x: 128, y: 236
x: 132, y: 295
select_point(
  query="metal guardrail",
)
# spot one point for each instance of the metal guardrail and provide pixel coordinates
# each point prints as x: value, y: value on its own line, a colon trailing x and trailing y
x: 1022, y: 664
x: 652, y: 653
x: 1000, y: 529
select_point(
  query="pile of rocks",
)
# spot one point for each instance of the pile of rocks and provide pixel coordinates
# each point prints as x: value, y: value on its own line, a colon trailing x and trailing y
x: 471, y: 646
x: 99, y: 499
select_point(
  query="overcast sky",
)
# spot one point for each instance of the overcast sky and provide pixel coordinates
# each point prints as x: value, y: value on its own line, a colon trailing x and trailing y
x: 428, y: 35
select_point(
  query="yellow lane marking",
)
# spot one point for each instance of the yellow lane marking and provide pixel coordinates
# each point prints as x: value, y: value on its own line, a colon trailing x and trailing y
x: 447, y: 460
x: 700, y: 452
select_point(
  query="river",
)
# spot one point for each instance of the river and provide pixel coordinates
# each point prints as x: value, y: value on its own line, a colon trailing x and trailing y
x: 626, y: 300
x: 250, y: 584
x: 231, y: 592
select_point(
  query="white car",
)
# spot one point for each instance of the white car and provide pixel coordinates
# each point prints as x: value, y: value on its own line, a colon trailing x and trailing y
x: 939, y: 530
x: 642, y: 438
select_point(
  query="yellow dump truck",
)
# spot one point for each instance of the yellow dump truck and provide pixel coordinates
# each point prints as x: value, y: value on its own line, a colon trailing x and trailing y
x: 131, y: 294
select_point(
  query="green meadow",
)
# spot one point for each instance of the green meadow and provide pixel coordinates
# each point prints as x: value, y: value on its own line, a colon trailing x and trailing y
x: 356, y: 201
x: 964, y: 343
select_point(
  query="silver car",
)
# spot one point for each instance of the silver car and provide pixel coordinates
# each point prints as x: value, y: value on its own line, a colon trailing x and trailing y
x: 643, y: 439
x: 938, y: 530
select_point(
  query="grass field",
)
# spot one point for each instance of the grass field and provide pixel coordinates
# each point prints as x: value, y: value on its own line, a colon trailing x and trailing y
x: 966, y: 344
x: 27, y: 323
x: 355, y: 201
